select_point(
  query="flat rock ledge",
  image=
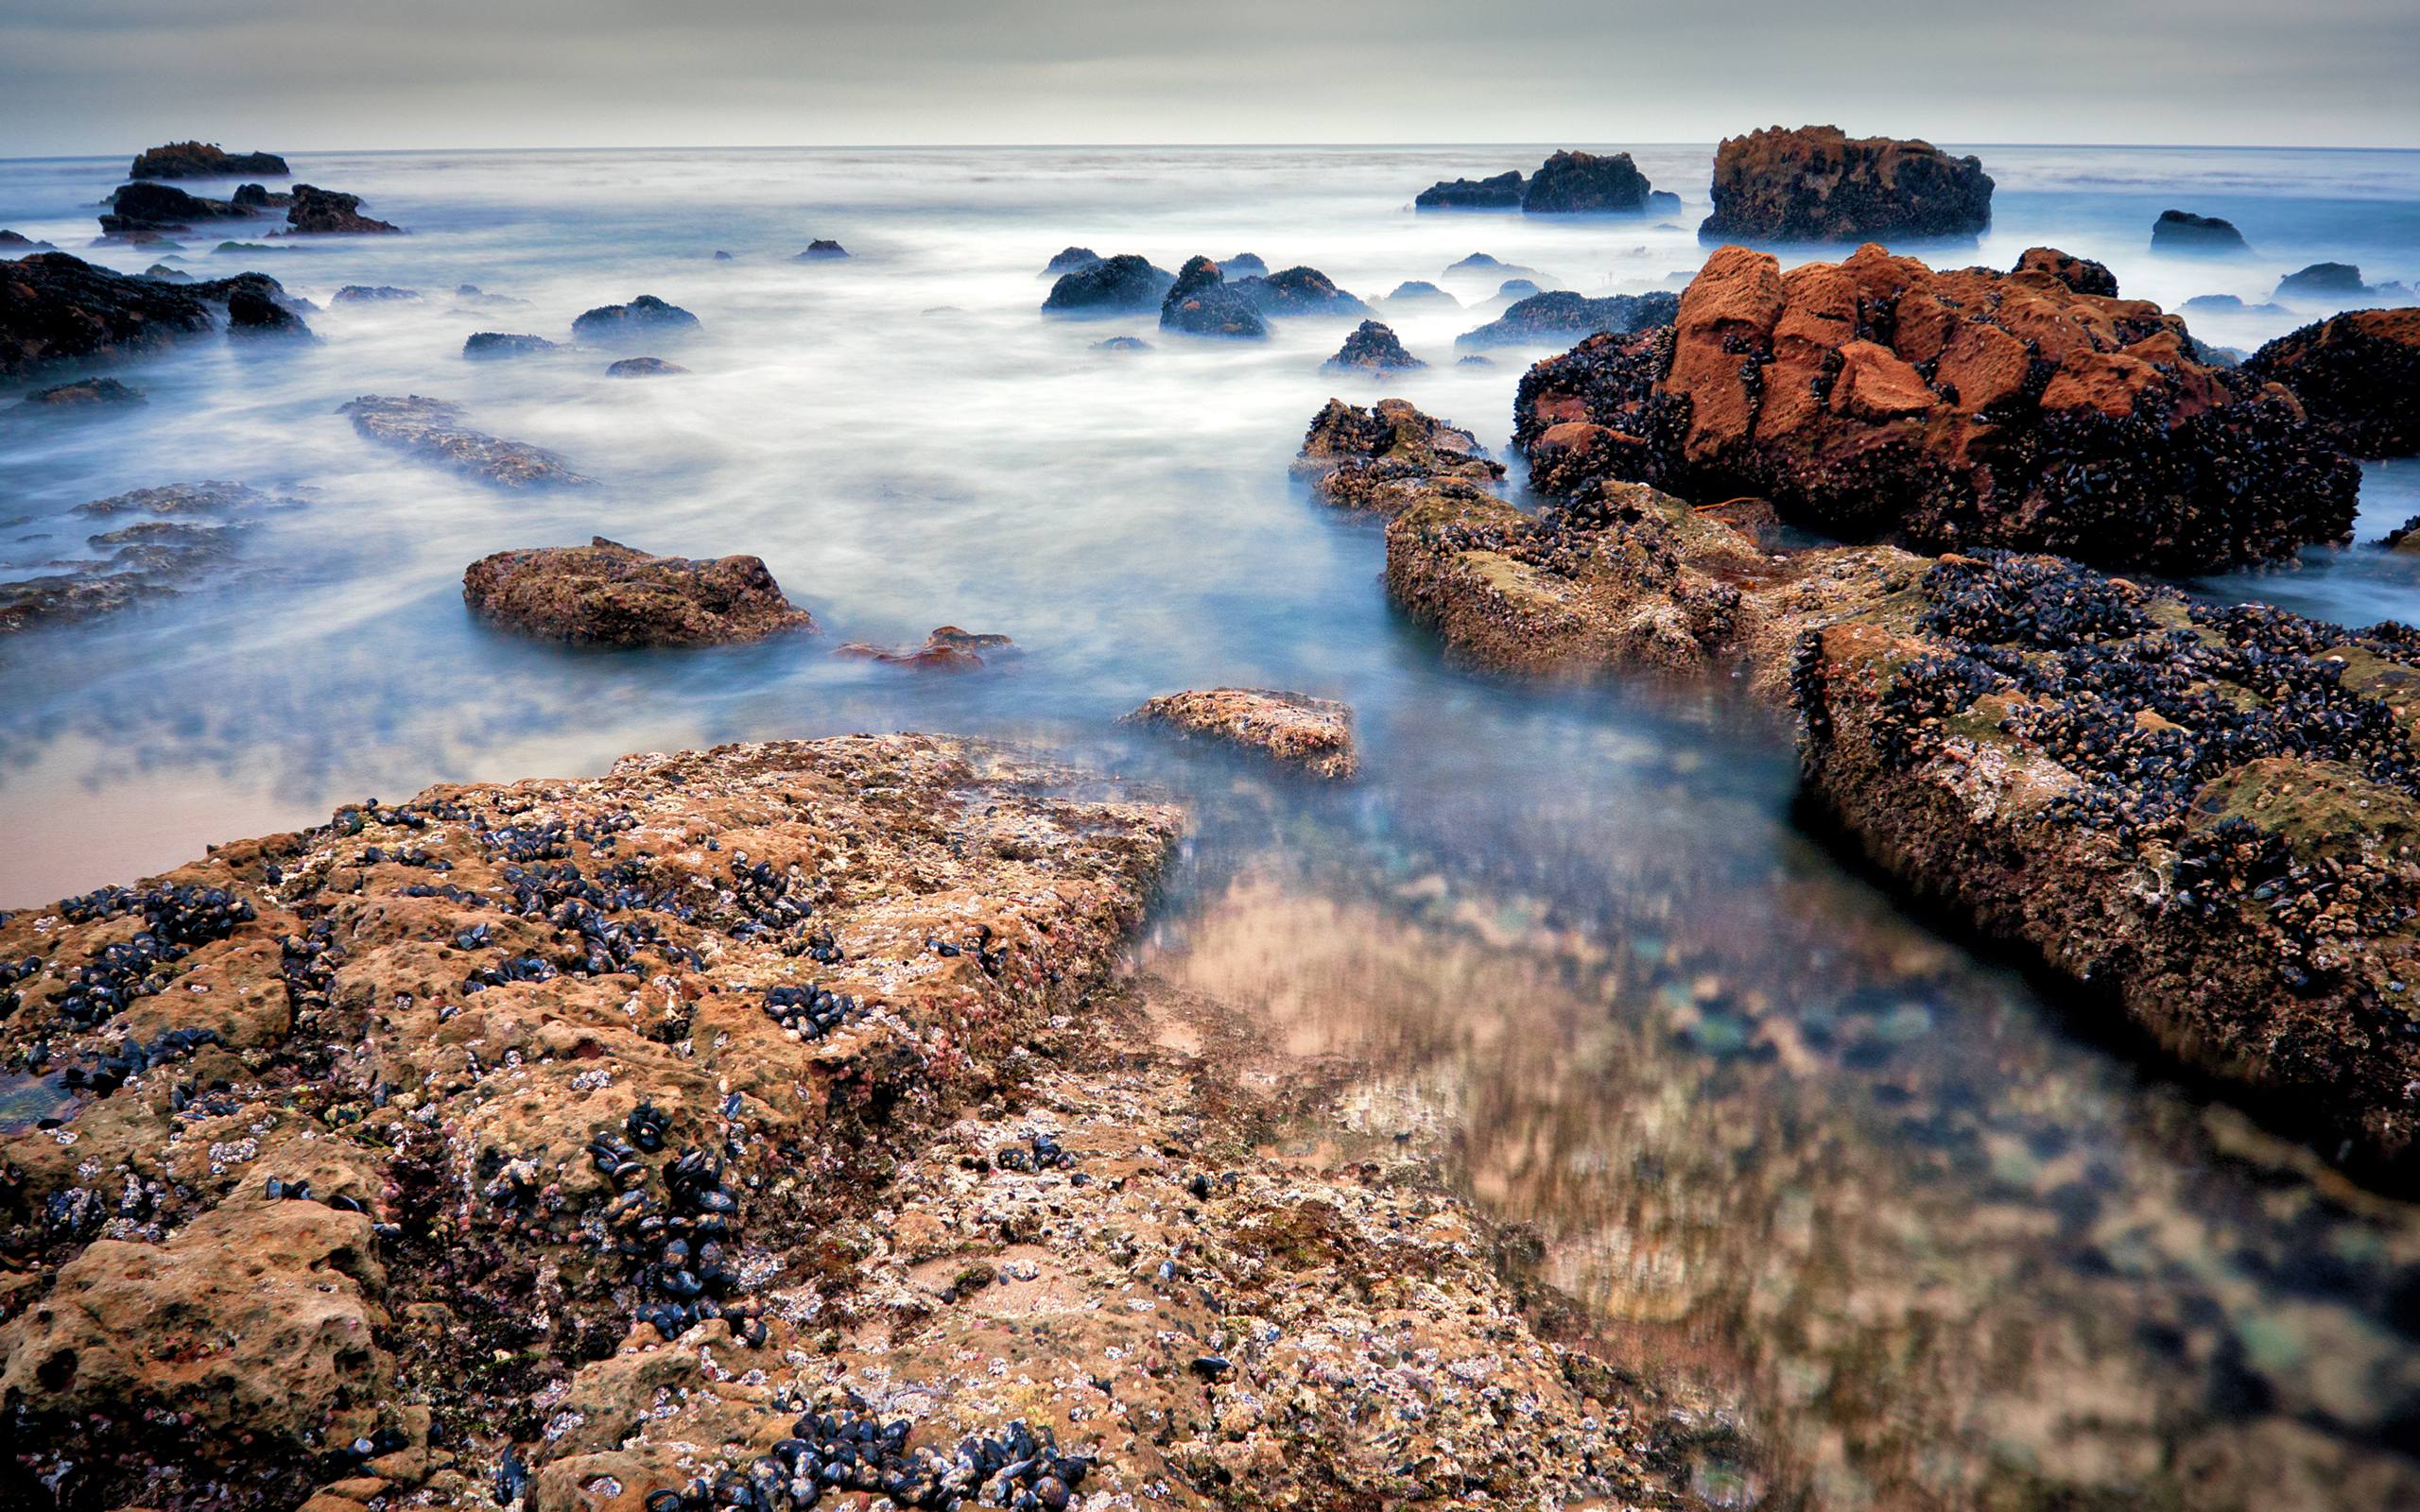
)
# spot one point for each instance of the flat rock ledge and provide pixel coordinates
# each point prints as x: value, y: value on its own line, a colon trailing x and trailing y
x: 2208, y: 819
x: 606, y: 593
x: 578, y: 1142
x: 1313, y: 735
x: 1376, y: 459
x: 432, y: 430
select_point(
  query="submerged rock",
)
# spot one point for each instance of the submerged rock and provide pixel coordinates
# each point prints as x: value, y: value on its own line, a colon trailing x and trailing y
x: 820, y: 249
x: 148, y: 206
x: 2358, y: 376
x: 87, y: 393
x: 1299, y: 291
x: 2081, y: 274
x: 1377, y: 460
x: 1123, y: 284
x: 166, y: 274
x: 481, y: 346
x: 2178, y: 230
x: 1991, y: 409
x: 1201, y: 303
x: 1502, y: 192
x: 372, y: 294
x: 1372, y: 348
x: 606, y: 593
x: 1817, y: 184
x: 2324, y: 280
x: 1582, y: 183
x: 432, y: 430
x: 140, y: 562
x: 643, y: 367
x: 1071, y: 260
x: 645, y: 317
x: 1314, y: 735
x: 55, y: 307
x: 1559, y: 315
x: 1416, y: 291
x: 318, y: 212
x: 946, y: 649
x: 204, y: 160
x: 1122, y: 344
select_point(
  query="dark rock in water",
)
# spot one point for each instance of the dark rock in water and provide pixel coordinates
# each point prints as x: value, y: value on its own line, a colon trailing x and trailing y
x: 13, y: 242
x: 1243, y: 265
x: 1517, y: 288
x: 1314, y: 735
x: 372, y: 294
x: 1122, y: 344
x: 212, y: 496
x: 55, y: 307
x: 2081, y: 274
x: 722, y: 257
x: 1662, y: 203
x: 1299, y: 291
x: 819, y: 250
x: 1415, y: 291
x: 1123, y: 284
x: 89, y: 393
x: 327, y: 213
x: 256, y: 197
x: 2003, y: 409
x: 1372, y: 348
x: 645, y: 317
x: 606, y: 593
x: 247, y: 248
x: 1378, y: 460
x: 946, y: 649
x: 148, y: 560
x: 2405, y: 537
x: 2358, y: 376
x: 1818, y: 184
x: 205, y: 159
x: 166, y: 274
x: 1201, y: 303
x: 1071, y: 260
x: 643, y: 367
x: 1559, y: 316
x: 1582, y: 183
x: 1503, y: 192
x: 255, y: 311
x: 432, y: 430
x: 2228, y: 304
x: 2183, y: 233
x: 484, y: 346
x: 1475, y: 360
x: 2323, y: 281
x: 1479, y: 263
x: 148, y: 206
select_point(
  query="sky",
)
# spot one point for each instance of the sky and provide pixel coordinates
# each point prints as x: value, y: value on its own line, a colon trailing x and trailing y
x: 112, y: 76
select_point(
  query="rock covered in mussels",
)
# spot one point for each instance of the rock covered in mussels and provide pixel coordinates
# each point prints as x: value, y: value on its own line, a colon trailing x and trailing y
x: 317, y: 211
x: 1817, y: 184
x: 432, y: 430
x: 1299, y: 291
x: 2185, y: 233
x: 1583, y: 183
x: 2081, y: 274
x: 1122, y: 285
x: 1377, y: 460
x: 1201, y: 303
x: 606, y: 593
x: 205, y: 159
x: 2358, y: 376
x: 55, y: 307
x: 1313, y: 735
x: 1372, y: 348
x: 1557, y: 316
x: 1875, y: 398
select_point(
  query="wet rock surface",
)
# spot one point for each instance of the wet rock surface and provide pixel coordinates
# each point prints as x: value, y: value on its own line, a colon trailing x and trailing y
x: 1583, y: 183
x: 1298, y: 291
x: 432, y: 430
x: 1877, y: 398
x: 1380, y: 458
x: 1071, y: 259
x: 2185, y: 232
x: 86, y: 393
x: 606, y: 593
x: 1501, y: 191
x: 1818, y: 183
x: 644, y: 318
x: 2081, y: 274
x: 2358, y: 376
x: 1313, y: 735
x: 736, y: 1122
x: 1202, y: 303
x: 1557, y: 316
x: 1372, y: 348
x: 643, y: 367
x: 204, y: 160
x: 1122, y: 285
x: 946, y: 649
x: 195, y: 534
x: 317, y: 211
x: 820, y: 250
x: 487, y: 346
x: 148, y: 206
x: 55, y: 307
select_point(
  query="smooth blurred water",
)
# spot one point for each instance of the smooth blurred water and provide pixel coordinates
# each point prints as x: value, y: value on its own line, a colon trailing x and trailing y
x: 1769, y: 1129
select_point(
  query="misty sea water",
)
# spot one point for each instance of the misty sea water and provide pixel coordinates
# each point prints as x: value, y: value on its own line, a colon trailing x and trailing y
x: 1944, y: 1246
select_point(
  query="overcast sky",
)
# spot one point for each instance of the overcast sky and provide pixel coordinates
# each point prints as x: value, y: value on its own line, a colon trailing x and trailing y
x: 112, y: 76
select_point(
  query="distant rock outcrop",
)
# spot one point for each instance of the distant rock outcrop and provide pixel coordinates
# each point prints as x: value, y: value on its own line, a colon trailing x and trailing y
x: 205, y: 159
x: 1502, y: 192
x: 1123, y: 284
x: 158, y: 207
x: 644, y: 318
x: 820, y: 250
x: 1071, y: 260
x: 1818, y: 184
x: 1560, y: 315
x: 327, y: 213
x: 2324, y: 280
x: 1582, y: 183
x: 1417, y: 291
x: 1299, y: 291
x: 2184, y: 232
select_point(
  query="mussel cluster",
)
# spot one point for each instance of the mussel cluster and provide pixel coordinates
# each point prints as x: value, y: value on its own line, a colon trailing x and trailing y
x: 175, y: 920
x: 681, y: 1249
x: 106, y: 1074
x: 1036, y: 1152
x: 845, y: 1452
x: 811, y: 1011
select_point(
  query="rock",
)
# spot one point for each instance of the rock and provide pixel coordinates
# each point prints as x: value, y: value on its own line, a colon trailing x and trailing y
x: 256, y: 197
x: 11, y: 241
x: 372, y: 294
x: 1299, y: 291
x: 1662, y: 203
x: 1376, y: 461
x: 248, y: 249
x: 431, y: 429
x: 88, y: 393
x: 946, y: 649
x: 606, y: 593
x: 2188, y: 234
x: 1503, y: 192
x: 1243, y: 265
x: 327, y: 212
x: 1973, y: 417
x: 148, y: 206
x: 1123, y: 284
x: 721, y: 256
x: 204, y: 160
x: 2405, y: 537
x: 2358, y: 376
x: 819, y: 250
x: 1417, y: 292
x: 166, y: 274
x: 1200, y: 304
x: 1818, y: 184
x: 1314, y: 735
x: 645, y: 317
x: 1473, y: 360
x: 2229, y: 304
x: 253, y: 311
x: 55, y: 307
x: 643, y: 367
x: 2323, y: 281
x: 1122, y: 344
x: 147, y: 560
x: 1558, y: 316
x: 2081, y: 274
x: 1480, y: 265
x: 1372, y: 348
x: 482, y: 346
x: 1582, y: 183
x: 1518, y: 289
x: 1071, y: 260
x: 212, y: 496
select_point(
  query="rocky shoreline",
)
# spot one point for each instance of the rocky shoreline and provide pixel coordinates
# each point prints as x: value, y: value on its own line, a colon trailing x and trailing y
x: 764, y: 1118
